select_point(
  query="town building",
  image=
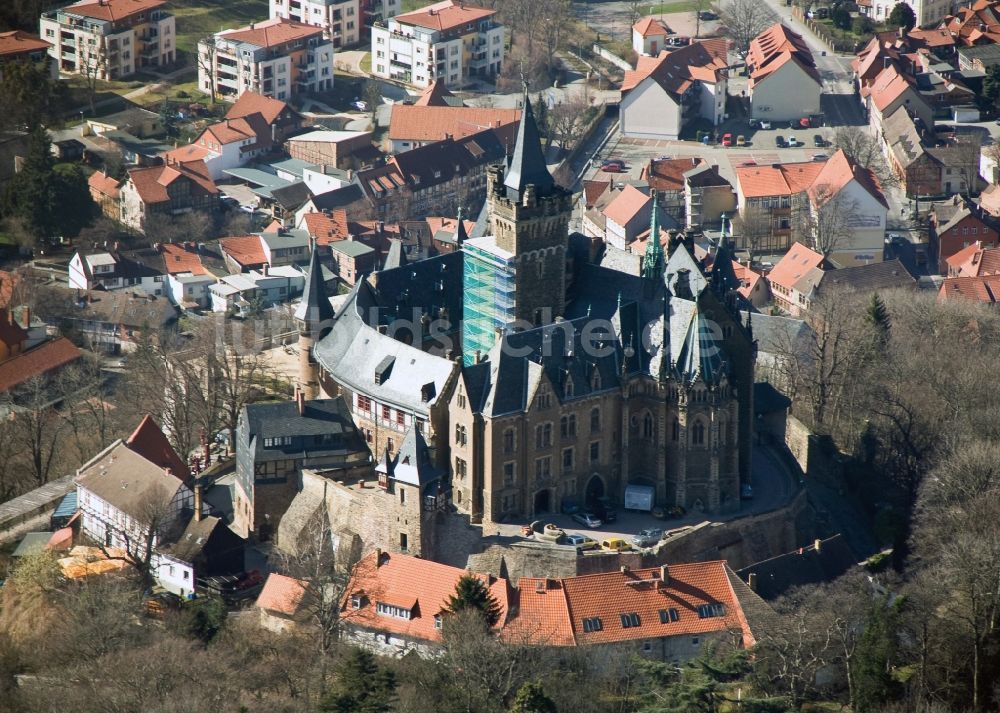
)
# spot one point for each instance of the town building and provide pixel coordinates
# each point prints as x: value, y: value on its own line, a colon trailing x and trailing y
x: 452, y: 42
x: 27, y: 352
x: 341, y: 20
x: 664, y: 94
x: 954, y: 226
x: 167, y: 190
x: 110, y: 39
x: 984, y: 289
x: 114, y: 322
x: 412, y: 125
x: 866, y: 279
x: 283, y: 603
x: 977, y: 23
x: 979, y: 259
x: 794, y: 279
x: 20, y: 46
x: 707, y: 197
x: 784, y: 82
x: 340, y: 149
x: 649, y: 36
x: 627, y: 215
x: 927, y: 12
x: 277, y: 58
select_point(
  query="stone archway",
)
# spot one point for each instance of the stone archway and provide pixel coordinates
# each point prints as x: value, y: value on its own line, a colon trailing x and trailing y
x: 543, y: 501
x: 595, y: 491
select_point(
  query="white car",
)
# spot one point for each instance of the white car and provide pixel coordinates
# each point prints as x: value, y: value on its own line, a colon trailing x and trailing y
x: 360, y: 105
x: 765, y: 125
x: 792, y: 142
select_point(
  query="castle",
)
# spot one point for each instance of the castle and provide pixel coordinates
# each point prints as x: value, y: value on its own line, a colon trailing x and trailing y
x: 538, y: 379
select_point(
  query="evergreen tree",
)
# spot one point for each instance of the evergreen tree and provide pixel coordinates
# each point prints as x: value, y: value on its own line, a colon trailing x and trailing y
x: 871, y: 667
x: 841, y: 17
x: 360, y: 686
x: 877, y: 318
x: 902, y: 15
x: 991, y: 87
x: 532, y: 699
x: 471, y: 593
x: 50, y: 200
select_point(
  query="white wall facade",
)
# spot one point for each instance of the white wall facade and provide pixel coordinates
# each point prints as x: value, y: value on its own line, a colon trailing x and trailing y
x: 868, y: 223
x: 648, y: 112
x: 340, y: 19
x: 650, y: 45
x: 786, y: 94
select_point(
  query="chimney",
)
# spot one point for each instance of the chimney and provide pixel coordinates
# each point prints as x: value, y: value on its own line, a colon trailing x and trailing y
x: 624, y: 569
x: 378, y: 557
x: 300, y: 401
x: 817, y: 545
x: 266, y: 269
x: 664, y: 574
x: 197, y: 502
x: 752, y: 581
x: 361, y: 484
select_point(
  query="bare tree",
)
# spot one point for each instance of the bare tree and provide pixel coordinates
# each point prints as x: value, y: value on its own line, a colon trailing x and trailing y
x: 633, y: 11
x: 37, y: 430
x: 93, y: 70
x: 864, y: 149
x: 208, y: 49
x: 831, y: 219
x: 752, y: 229
x: 155, y: 521
x: 745, y: 19
x: 567, y: 121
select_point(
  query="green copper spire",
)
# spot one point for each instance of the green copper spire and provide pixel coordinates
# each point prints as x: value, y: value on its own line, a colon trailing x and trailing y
x: 652, y: 264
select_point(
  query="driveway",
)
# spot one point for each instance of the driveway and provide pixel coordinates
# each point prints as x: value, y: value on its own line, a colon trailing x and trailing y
x: 773, y: 484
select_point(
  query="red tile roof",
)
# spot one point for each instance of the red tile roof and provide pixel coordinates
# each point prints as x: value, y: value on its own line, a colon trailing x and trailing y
x: 11, y: 333
x: 113, y: 10
x: 253, y: 103
x: 668, y: 174
x: 974, y: 261
x: 449, y: 225
x: 327, y: 227
x: 592, y: 190
x: 784, y: 179
x: 419, y: 585
x: 675, y: 71
x: 245, y: 250
x: 989, y: 199
x: 412, y: 122
x: 148, y: 441
x: 151, y: 183
x: 231, y: 131
x: 651, y: 27
x: 554, y: 611
x: 179, y: 258
x: 44, y: 358
x: 281, y: 594
x: 434, y: 95
x: 271, y: 33
x: 104, y: 184
x: 748, y: 279
x: 838, y: 171
x: 796, y: 263
x: 888, y: 86
x: 8, y: 283
x: 446, y: 15
x: 185, y: 154
x: 626, y: 205
x: 19, y: 42
x: 985, y: 289
x: 775, y: 47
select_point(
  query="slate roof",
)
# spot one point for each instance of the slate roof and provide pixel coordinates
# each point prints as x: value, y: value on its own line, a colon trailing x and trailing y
x: 320, y: 417
x: 128, y: 307
x: 527, y: 162
x: 413, y: 464
x: 806, y: 565
x: 314, y: 308
x: 192, y: 541
x: 886, y: 275
x: 291, y: 197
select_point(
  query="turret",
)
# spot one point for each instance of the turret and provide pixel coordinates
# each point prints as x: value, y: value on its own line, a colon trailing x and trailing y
x: 313, y: 317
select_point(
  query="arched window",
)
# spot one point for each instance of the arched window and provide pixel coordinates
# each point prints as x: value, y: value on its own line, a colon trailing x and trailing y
x: 508, y: 441
x: 595, y: 420
x: 675, y: 430
x: 698, y: 433
x: 648, y: 426
x: 569, y: 387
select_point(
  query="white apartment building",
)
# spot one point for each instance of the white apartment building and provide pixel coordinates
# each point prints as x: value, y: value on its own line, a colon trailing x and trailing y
x: 452, y: 42
x: 110, y: 38
x: 276, y: 58
x: 340, y: 19
x: 927, y: 12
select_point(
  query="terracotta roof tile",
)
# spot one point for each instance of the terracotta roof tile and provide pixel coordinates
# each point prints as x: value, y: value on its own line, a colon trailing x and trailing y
x: 989, y: 199
x: 327, y: 227
x: 182, y: 258
x: 11, y: 333
x: 104, y: 184
x: 445, y: 15
x: 592, y: 190
x: 185, y: 154
x: 627, y: 205
x: 254, y: 103
x: 796, y: 263
x: 271, y: 33
x: 19, y: 42
x: 668, y: 174
x: 151, y: 183
x: 148, y: 441
x: 748, y: 279
x: 8, y: 283
x: 545, y: 605
x: 985, y: 289
x: 422, y: 585
x: 434, y: 95
x: 651, y: 27
x: 974, y: 261
x: 245, y: 250
x: 778, y: 179
x: 412, y: 122
x: 838, y: 171
x: 44, y: 358
x: 113, y: 10
x: 281, y: 594
x: 674, y: 71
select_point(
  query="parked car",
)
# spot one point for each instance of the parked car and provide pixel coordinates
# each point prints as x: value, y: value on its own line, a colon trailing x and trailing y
x: 360, y: 105
x: 647, y: 538
x: 779, y: 141
x: 706, y: 15
x: 820, y: 157
x: 819, y: 141
x: 587, y: 519
x: 664, y: 158
x: 793, y: 142
x: 748, y: 163
x: 581, y: 542
x: 741, y: 140
x: 615, y: 544
x: 727, y: 139
x: 613, y: 165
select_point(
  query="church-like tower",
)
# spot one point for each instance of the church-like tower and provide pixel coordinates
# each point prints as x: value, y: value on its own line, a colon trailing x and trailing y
x: 313, y: 317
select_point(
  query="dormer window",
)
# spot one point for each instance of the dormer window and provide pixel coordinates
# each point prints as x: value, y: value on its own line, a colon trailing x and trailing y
x: 438, y: 622
x: 357, y: 601
x: 393, y: 611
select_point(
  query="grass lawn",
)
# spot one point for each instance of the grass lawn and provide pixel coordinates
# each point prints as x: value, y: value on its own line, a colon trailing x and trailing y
x: 199, y: 18
x: 665, y: 8
x: 366, y: 63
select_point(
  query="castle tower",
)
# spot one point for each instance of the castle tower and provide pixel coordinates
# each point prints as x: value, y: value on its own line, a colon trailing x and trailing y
x: 517, y: 276
x: 314, y: 317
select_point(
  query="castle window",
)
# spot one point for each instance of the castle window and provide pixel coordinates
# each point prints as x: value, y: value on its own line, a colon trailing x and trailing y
x: 675, y: 430
x: 567, y: 426
x: 402, y: 496
x: 508, y: 441
x: 508, y: 474
x: 698, y: 433
x: 364, y: 404
x: 543, y: 468
x: 595, y: 451
x: 460, y: 434
x: 386, y: 413
x: 568, y: 388
x: 543, y: 435
x: 461, y: 400
x: 460, y: 468
x: 567, y: 459
x: 647, y: 426
x: 595, y: 420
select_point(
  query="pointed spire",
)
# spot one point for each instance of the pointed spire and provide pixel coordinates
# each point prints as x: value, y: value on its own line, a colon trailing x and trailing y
x: 527, y: 163
x: 315, y: 308
x: 460, y: 235
x: 653, y: 263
